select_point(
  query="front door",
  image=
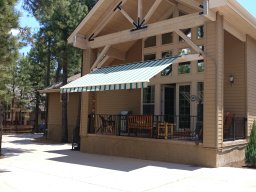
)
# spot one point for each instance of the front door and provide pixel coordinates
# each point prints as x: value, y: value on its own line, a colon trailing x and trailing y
x: 184, y: 106
x: 169, y: 103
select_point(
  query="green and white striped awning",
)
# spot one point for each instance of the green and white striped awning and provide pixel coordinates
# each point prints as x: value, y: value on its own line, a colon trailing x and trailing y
x: 121, y: 77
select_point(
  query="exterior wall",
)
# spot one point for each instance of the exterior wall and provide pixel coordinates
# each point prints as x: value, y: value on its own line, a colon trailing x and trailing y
x: 113, y: 102
x: 89, y: 57
x: 233, y: 151
x: 149, y: 149
x: 234, y: 95
x: 54, y: 116
x: 213, y: 92
x: 251, y: 79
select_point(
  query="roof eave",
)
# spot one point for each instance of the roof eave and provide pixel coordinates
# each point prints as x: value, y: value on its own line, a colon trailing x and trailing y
x: 84, y: 21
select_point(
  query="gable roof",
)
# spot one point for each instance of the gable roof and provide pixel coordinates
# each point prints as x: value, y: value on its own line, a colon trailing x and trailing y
x: 56, y: 87
x: 236, y: 15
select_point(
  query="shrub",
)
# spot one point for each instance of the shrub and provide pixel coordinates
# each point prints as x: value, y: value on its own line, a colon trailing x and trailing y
x: 250, y: 152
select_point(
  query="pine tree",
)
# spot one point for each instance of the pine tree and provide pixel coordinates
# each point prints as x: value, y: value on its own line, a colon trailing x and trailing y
x: 250, y: 152
x: 8, y: 48
x: 58, y: 19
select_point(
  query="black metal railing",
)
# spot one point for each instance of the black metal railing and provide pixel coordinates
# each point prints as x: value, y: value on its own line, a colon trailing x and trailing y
x: 149, y: 126
x: 236, y: 130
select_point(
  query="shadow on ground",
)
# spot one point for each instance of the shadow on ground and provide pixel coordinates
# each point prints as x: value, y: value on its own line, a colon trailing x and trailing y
x: 10, y: 152
x: 4, y: 171
x: 112, y: 162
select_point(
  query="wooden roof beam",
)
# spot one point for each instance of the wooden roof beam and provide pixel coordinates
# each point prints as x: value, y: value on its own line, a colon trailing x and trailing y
x: 98, y: 28
x: 189, y: 41
x: 152, y: 10
x: 100, y: 57
x: 189, y: 57
x: 169, y: 25
x: 103, y: 61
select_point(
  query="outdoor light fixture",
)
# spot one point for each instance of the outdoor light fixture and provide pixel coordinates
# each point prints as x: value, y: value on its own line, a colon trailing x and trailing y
x: 231, y: 79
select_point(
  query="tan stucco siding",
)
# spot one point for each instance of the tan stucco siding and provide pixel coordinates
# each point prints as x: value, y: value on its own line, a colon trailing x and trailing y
x: 234, y: 94
x: 150, y: 149
x: 251, y: 79
x: 113, y: 102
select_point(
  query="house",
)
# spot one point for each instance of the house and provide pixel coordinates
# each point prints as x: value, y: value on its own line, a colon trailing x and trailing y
x: 54, y: 116
x: 168, y: 80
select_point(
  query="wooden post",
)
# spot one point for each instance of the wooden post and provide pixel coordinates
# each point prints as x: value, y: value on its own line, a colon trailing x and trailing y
x: 89, y: 57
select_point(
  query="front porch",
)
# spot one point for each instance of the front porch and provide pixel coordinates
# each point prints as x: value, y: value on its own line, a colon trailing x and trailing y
x: 180, y: 128
x: 147, y: 126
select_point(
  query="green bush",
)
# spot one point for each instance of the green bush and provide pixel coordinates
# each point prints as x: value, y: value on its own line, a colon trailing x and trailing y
x: 250, y: 152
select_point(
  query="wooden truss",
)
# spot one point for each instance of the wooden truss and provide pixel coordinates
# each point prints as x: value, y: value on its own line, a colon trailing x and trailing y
x: 141, y: 29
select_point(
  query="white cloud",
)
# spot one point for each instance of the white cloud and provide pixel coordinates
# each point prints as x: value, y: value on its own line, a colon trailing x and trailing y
x: 14, y: 32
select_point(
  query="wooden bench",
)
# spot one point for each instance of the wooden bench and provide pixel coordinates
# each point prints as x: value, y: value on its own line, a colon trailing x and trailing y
x: 140, y: 122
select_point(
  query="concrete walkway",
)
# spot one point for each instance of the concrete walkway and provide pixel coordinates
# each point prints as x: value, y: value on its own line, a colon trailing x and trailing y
x: 32, y: 166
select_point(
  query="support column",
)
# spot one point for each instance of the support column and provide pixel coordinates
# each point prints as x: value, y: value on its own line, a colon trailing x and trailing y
x: 158, y: 99
x: 89, y: 57
x: 213, y: 85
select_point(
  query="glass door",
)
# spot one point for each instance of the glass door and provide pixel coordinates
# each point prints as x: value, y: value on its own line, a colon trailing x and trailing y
x: 169, y: 103
x: 184, y: 106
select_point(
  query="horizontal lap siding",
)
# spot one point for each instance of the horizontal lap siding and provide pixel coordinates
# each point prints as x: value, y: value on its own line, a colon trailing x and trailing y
x: 113, y: 102
x: 251, y: 80
x: 210, y: 87
x: 235, y: 95
x: 54, y: 117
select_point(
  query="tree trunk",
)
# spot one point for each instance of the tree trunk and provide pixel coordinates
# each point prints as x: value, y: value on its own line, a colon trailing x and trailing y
x: 36, y: 112
x: 65, y: 98
x: 48, y: 76
x: 1, y: 127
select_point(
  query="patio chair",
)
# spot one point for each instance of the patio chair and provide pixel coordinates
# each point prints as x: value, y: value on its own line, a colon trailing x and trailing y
x: 228, y: 123
x: 165, y: 129
x: 106, y: 125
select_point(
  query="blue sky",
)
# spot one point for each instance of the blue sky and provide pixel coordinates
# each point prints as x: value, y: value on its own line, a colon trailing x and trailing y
x: 30, y: 21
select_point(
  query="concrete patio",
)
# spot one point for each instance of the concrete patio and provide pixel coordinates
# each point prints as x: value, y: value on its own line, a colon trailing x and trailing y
x: 28, y: 165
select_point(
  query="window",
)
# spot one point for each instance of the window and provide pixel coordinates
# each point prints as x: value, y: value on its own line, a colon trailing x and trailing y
x: 149, y: 57
x: 187, y: 32
x: 184, y: 68
x: 184, y: 106
x: 200, y: 32
x: 168, y: 70
x: 167, y: 38
x: 200, y: 91
x: 200, y: 66
x: 166, y: 54
x: 149, y: 100
x: 150, y: 42
x: 201, y: 47
x: 185, y: 51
